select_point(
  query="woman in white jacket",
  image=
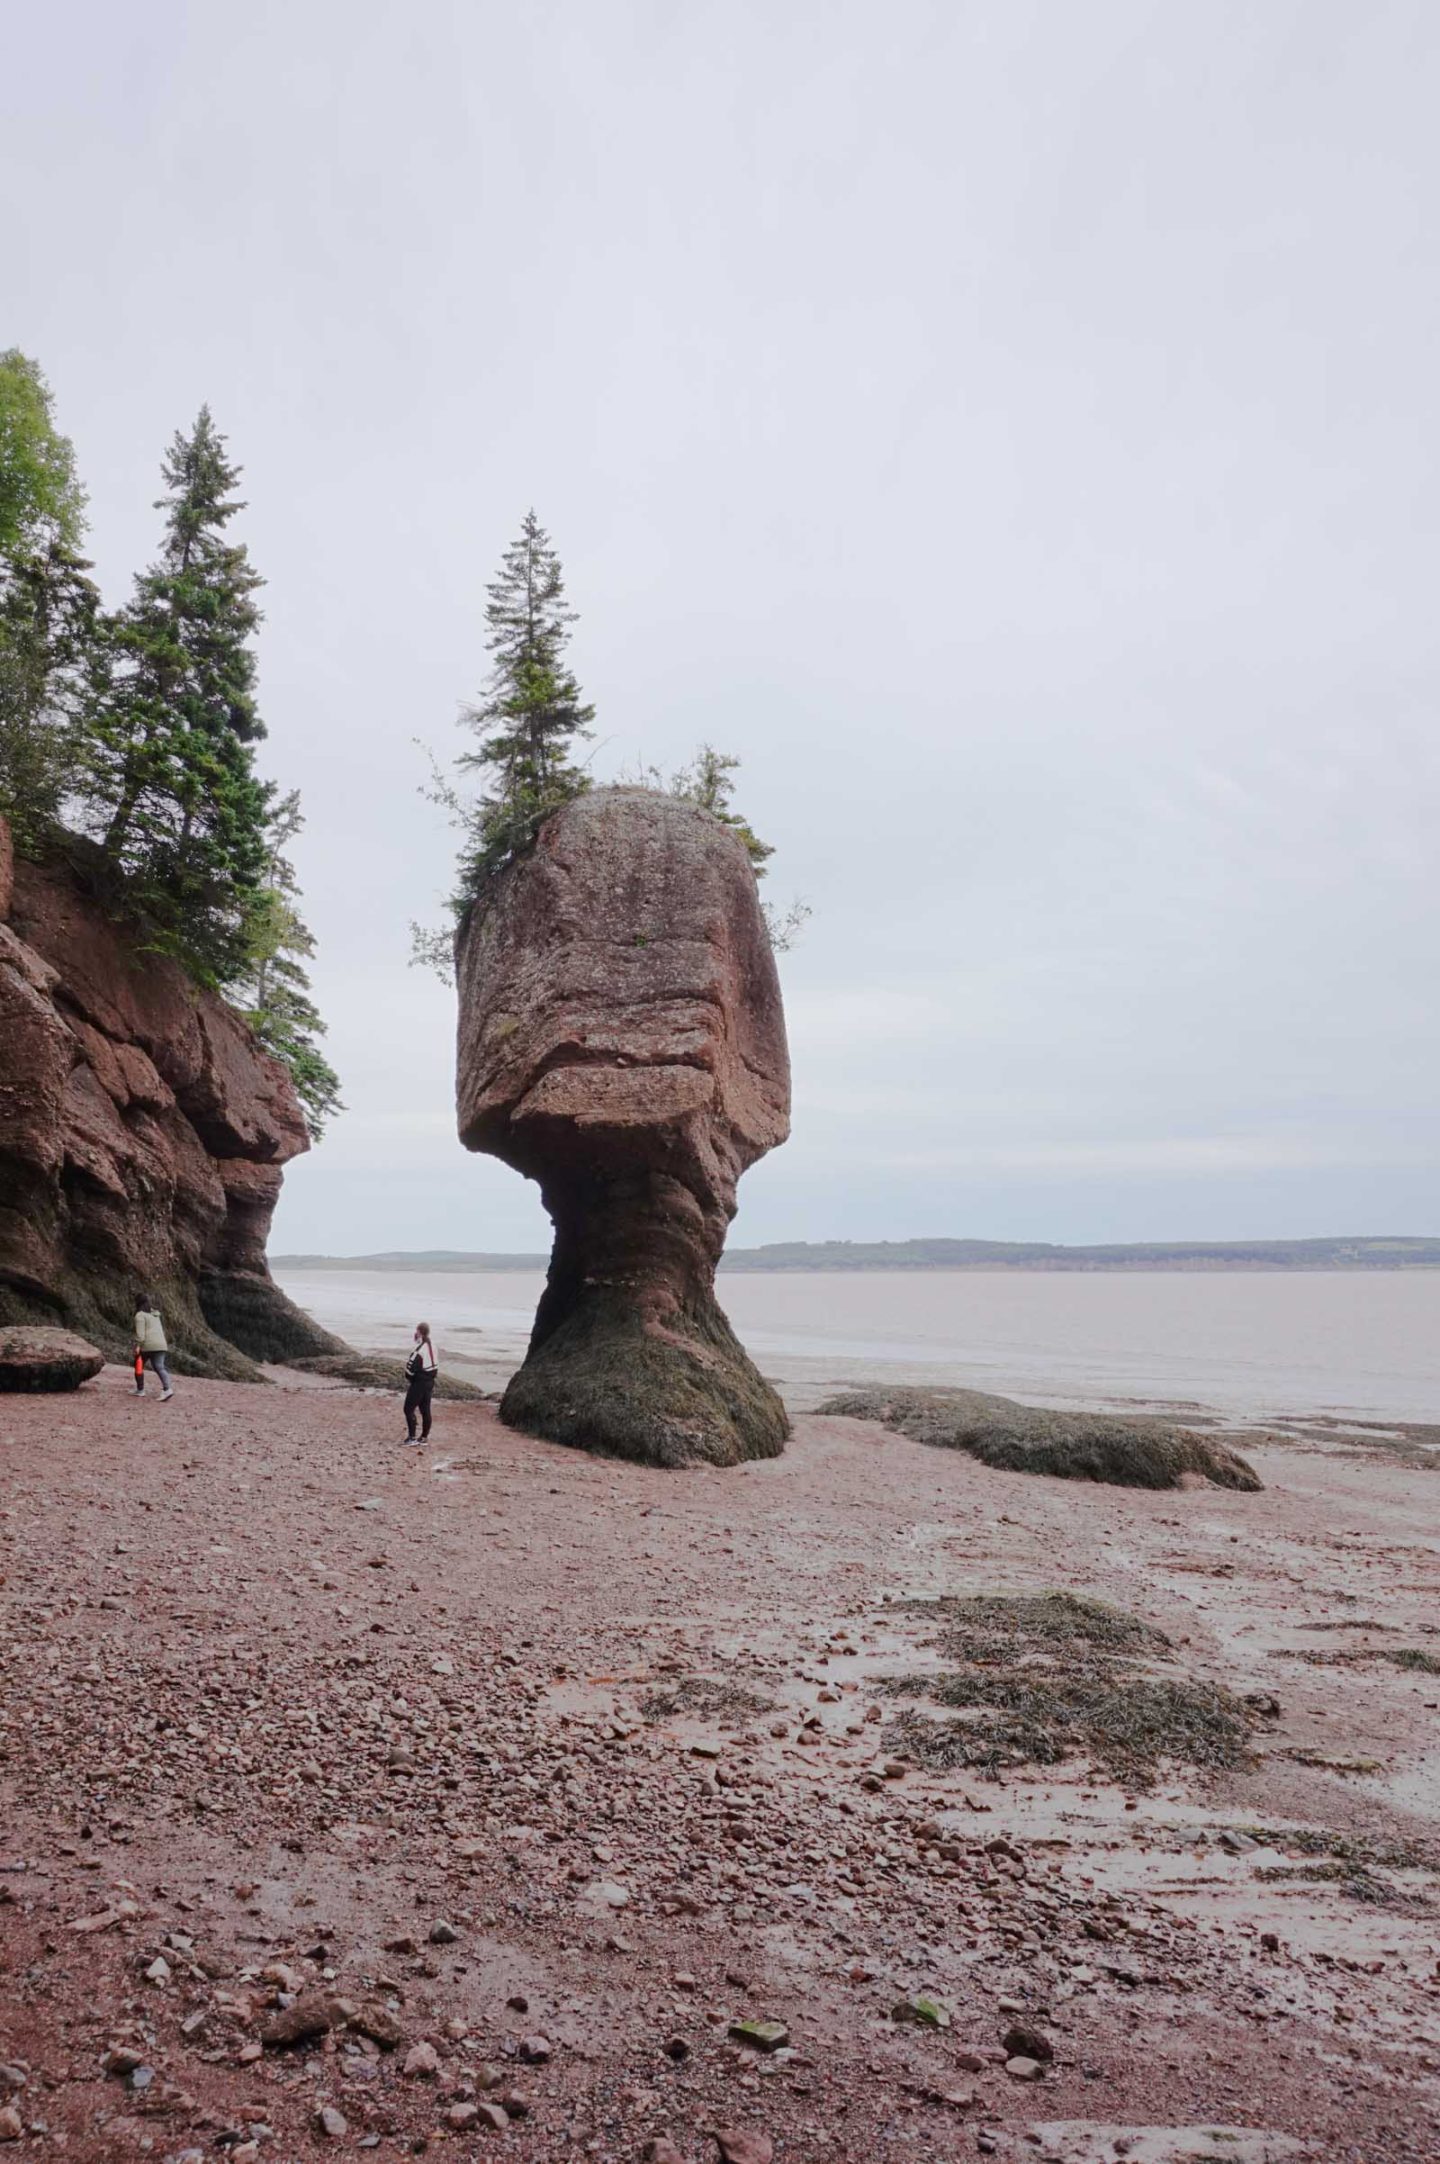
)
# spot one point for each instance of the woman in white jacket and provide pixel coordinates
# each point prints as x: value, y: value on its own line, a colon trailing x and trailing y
x: 150, y: 1347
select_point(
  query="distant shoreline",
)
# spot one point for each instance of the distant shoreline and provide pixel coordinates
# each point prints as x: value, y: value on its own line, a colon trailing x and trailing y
x: 1208, y: 1255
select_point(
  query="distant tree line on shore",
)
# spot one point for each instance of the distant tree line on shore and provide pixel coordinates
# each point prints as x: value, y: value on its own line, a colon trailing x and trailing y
x: 1335, y: 1254
x: 128, y: 736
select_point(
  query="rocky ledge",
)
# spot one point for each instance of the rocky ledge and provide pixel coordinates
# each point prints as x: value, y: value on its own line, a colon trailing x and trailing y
x: 622, y: 1042
x: 143, y: 1135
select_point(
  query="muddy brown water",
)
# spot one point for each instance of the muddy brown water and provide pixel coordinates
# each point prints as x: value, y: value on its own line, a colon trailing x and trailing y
x: 1248, y: 1345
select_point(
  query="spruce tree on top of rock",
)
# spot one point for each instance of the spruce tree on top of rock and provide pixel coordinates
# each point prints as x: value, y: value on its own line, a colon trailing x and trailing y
x: 532, y: 711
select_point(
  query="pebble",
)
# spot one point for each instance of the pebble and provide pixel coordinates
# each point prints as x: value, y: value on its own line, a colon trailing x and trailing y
x: 1022, y: 2042
x: 379, y: 2024
x: 422, y: 2061
x: 738, y: 2147
x: 1022, y: 2068
x: 331, y: 2123
x: 764, y: 2035
x: 608, y: 1893
x: 443, y: 1934
x: 925, y: 2013
x: 12, y: 2126
x: 314, y: 2013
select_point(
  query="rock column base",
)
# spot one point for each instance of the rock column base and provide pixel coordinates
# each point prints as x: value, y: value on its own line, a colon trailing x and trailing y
x: 607, y: 1379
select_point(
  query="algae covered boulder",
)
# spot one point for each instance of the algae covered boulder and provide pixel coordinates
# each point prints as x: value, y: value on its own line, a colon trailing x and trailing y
x: 36, y: 1358
x: 1114, y: 1447
x: 622, y: 1042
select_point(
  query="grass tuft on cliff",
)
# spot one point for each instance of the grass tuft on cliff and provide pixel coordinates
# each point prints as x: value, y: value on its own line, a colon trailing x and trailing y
x: 1111, y: 1447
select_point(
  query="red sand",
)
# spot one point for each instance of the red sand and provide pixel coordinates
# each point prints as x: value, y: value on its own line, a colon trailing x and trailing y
x: 279, y: 1695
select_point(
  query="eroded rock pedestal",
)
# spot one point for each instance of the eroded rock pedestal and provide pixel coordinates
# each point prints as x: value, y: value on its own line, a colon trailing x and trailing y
x: 143, y: 1135
x: 622, y: 1042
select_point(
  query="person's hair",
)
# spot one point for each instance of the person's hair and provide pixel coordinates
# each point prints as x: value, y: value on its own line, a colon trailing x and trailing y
x: 144, y: 1302
x: 424, y: 1329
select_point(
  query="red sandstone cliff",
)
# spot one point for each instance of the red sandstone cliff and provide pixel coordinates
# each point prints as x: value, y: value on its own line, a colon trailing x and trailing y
x: 143, y: 1135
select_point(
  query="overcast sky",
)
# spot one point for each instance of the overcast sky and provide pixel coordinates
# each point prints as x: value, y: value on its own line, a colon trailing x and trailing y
x: 1010, y: 427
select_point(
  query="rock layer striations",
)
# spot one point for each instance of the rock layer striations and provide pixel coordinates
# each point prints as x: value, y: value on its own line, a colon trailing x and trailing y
x: 143, y: 1134
x: 622, y: 1042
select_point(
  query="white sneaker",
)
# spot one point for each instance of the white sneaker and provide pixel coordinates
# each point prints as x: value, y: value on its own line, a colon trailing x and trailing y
x: 166, y: 1394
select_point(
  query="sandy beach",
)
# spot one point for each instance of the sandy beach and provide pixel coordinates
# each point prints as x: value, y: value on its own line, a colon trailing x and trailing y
x: 561, y: 1768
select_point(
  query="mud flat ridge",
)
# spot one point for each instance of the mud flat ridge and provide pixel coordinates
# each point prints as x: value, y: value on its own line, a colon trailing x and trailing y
x: 499, y: 1800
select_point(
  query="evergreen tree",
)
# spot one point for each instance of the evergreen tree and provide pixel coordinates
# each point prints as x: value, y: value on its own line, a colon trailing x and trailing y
x: 53, y: 649
x: 274, y: 995
x: 51, y: 626
x: 532, y: 711
x: 171, y: 777
x: 40, y: 499
x: 708, y: 781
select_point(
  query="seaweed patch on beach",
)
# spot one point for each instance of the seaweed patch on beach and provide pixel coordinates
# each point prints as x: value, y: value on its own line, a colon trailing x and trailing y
x: 1413, y: 1658
x: 1053, y: 1676
x: 706, y: 1696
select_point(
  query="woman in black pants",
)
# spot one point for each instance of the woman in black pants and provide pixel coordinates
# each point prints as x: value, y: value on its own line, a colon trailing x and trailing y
x: 420, y: 1376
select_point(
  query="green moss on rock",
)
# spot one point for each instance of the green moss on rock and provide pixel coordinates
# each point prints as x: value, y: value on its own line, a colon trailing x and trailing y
x: 603, y: 1381
x: 1111, y: 1447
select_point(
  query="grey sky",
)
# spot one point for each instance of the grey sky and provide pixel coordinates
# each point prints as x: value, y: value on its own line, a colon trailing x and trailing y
x: 1010, y: 427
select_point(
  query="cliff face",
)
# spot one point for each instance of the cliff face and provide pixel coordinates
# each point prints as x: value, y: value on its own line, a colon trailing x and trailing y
x: 143, y: 1135
x: 622, y: 1042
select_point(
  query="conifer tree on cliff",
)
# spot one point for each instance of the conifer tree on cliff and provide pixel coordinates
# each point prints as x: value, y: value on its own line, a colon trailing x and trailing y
x: 51, y: 624
x: 274, y: 994
x: 532, y: 712
x: 182, y: 812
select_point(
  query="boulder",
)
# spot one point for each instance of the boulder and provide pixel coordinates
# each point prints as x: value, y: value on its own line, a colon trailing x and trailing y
x: 1131, y: 1451
x: 622, y: 1043
x: 35, y: 1358
x: 143, y: 1134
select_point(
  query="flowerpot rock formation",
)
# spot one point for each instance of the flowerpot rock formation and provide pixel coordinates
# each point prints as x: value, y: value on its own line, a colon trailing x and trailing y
x: 143, y: 1134
x: 622, y: 1042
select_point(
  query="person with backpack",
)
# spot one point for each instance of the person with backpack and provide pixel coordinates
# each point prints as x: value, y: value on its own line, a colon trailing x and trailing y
x: 420, y: 1372
x: 150, y: 1347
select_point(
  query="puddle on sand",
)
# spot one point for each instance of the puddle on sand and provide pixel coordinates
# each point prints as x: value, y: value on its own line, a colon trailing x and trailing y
x: 1419, y: 1789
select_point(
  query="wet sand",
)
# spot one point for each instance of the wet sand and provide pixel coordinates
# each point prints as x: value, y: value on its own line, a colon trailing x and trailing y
x: 280, y: 1696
